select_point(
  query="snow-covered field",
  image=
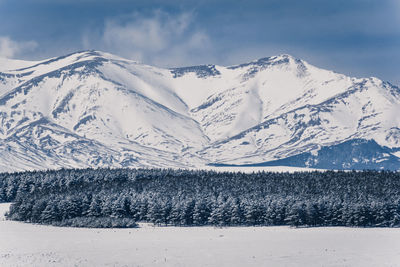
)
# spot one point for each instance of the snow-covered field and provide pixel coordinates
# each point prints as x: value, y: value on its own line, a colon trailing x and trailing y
x: 34, y: 245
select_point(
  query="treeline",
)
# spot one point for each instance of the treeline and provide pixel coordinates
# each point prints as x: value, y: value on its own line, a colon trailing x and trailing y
x: 122, y: 197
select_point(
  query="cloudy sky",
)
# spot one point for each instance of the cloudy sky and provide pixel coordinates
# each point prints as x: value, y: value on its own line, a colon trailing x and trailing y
x: 355, y: 37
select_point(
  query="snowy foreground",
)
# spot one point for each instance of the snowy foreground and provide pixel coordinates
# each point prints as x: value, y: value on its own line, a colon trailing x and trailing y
x: 34, y: 245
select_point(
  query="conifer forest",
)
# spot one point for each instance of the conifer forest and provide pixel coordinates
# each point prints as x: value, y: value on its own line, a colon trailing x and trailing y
x: 123, y: 197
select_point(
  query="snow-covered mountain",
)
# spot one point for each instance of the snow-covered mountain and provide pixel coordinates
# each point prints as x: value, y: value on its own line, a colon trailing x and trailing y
x: 95, y: 109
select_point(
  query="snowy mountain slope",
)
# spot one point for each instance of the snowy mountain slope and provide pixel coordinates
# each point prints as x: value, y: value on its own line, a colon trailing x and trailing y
x: 243, y: 96
x: 367, y: 110
x: 13, y: 64
x: 352, y: 154
x: 95, y: 109
x: 83, y: 94
x: 8, y: 78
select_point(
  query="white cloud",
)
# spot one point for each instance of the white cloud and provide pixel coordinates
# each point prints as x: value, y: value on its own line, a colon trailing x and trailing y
x: 10, y: 48
x: 160, y: 39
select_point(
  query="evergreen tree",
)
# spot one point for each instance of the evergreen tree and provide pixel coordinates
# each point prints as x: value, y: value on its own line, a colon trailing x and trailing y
x: 118, y: 197
x: 95, y: 208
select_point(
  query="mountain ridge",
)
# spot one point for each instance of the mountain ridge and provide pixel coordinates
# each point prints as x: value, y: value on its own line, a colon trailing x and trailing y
x: 133, y: 115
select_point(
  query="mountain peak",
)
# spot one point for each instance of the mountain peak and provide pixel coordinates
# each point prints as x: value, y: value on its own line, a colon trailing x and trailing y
x: 277, y: 58
x: 95, y: 109
x: 271, y: 60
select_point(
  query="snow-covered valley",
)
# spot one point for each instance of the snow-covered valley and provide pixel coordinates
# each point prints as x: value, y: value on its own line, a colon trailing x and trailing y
x: 24, y: 244
x: 94, y: 109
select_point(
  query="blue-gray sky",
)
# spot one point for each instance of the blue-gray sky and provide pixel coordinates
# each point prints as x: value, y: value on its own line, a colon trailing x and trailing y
x: 355, y: 37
